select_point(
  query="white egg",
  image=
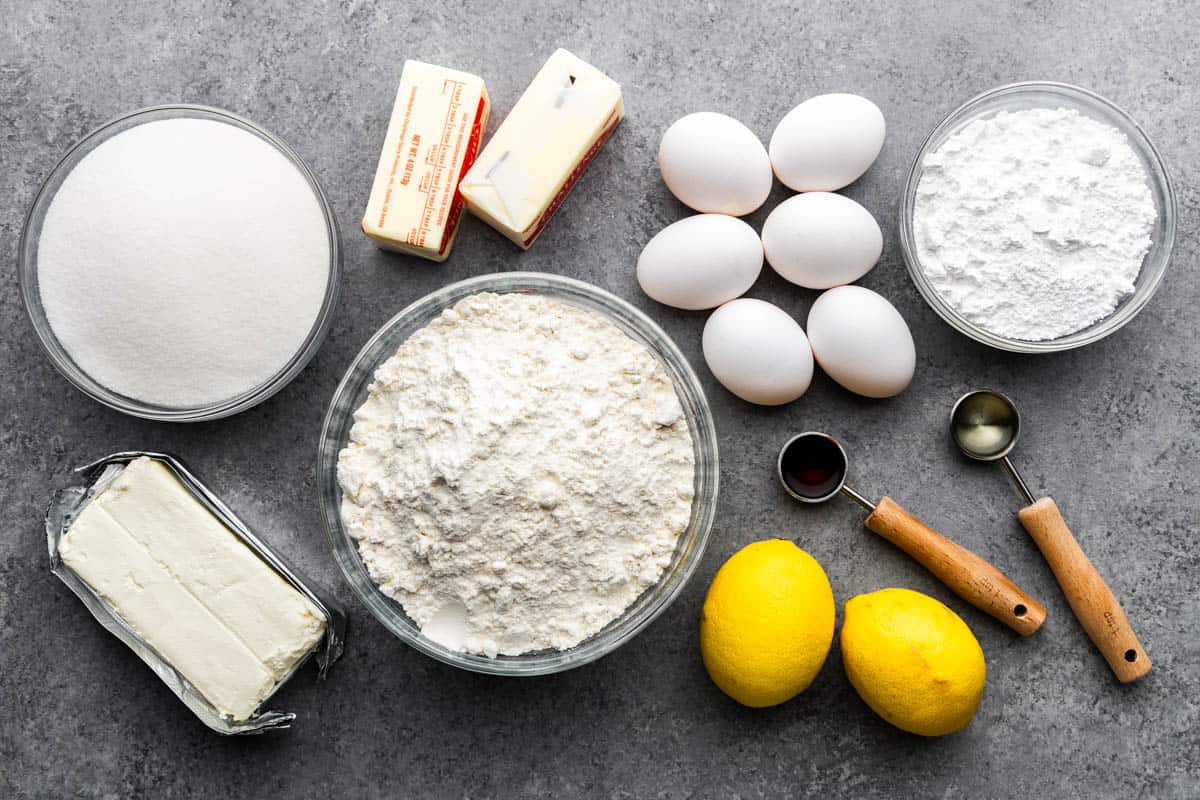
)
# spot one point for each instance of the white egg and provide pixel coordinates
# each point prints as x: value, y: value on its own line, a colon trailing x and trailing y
x: 861, y: 341
x: 715, y: 164
x: 700, y: 262
x: 818, y: 240
x: 827, y: 142
x: 758, y: 352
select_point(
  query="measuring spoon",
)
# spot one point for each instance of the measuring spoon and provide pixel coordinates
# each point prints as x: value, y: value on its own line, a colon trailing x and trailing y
x: 985, y: 426
x: 812, y: 467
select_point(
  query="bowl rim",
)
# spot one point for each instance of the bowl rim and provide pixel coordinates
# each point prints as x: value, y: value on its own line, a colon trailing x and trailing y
x: 1157, y: 175
x: 75, y: 375
x: 608, y: 639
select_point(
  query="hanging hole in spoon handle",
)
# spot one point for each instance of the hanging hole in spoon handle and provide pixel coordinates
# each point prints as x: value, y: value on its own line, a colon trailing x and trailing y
x: 1094, y: 604
x: 966, y: 574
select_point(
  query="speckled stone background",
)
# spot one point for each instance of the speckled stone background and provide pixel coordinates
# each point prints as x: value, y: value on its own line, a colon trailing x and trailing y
x: 1111, y: 430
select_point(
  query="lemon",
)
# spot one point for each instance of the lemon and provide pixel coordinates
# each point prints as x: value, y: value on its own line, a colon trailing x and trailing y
x: 913, y: 661
x: 767, y: 623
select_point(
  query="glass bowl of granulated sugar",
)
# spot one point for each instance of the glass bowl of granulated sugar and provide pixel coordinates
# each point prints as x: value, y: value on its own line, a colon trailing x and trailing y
x: 180, y: 263
x: 1037, y: 217
x: 530, y: 518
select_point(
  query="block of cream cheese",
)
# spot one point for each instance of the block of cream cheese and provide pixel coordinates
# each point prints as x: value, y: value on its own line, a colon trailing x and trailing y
x: 216, y: 612
x: 431, y: 141
x: 542, y: 147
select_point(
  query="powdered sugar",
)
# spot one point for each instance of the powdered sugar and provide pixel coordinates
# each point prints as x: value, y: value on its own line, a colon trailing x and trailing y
x: 518, y: 475
x: 1033, y: 224
x: 183, y: 262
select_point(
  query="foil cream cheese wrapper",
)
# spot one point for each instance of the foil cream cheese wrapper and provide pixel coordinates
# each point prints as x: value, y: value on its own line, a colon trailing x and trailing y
x: 65, y: 506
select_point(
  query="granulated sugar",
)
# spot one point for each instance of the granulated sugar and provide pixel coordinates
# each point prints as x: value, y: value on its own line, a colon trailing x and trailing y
x: 183, y: 262
x: 1033, y: 224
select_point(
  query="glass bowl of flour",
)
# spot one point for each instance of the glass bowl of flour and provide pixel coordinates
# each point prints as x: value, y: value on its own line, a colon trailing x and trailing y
x: 1037, y: 217
x: 525, y: 464
x: 180, y: 264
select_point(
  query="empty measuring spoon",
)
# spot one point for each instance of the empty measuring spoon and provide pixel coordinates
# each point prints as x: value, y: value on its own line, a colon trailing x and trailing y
x: 985, y: 426
x: 812, y: 467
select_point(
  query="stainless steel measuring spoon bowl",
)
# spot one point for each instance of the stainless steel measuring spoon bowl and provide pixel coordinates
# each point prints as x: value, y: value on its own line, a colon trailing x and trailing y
x: 985, y: 426
x: 812, y: 468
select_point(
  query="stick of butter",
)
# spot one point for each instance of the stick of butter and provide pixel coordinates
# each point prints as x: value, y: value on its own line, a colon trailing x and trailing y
x: 432, y: 139
x: 542, y: 147
x: 190, y: 588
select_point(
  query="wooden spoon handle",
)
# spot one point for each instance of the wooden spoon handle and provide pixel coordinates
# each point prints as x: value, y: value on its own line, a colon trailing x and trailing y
x: 967, y: 575
x: 1093, y: 602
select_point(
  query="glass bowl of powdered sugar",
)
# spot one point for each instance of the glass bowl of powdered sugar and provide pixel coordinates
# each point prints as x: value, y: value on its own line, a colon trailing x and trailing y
x: 1037, y: 217
x: 180, y: 264
x: 473, y: 476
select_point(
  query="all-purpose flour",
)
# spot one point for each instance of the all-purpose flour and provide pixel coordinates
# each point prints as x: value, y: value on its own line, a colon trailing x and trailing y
x: 1033, y: 224
x: 183, y: 262
x: 518, y: 475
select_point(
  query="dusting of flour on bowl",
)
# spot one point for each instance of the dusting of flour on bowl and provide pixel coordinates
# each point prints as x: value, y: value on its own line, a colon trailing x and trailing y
x: 518, y: 475
x: 1033, y: 224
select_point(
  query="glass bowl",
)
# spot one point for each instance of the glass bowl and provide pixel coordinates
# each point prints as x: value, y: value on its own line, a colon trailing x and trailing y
x: 27, y: 273
x: 352, y: 392
x: 1040, y: 94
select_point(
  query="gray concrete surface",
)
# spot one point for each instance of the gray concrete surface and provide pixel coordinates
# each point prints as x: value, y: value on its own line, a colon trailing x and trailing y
x: 1111, y: 430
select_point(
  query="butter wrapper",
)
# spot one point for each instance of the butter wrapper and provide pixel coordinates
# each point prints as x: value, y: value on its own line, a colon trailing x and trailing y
x: 66, y: 505
x: 433, y: 137
x: 543, y: 147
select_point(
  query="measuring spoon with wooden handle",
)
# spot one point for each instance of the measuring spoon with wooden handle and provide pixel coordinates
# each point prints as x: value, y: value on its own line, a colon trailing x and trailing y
x: 985, y: 426
x: 812, y: 467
